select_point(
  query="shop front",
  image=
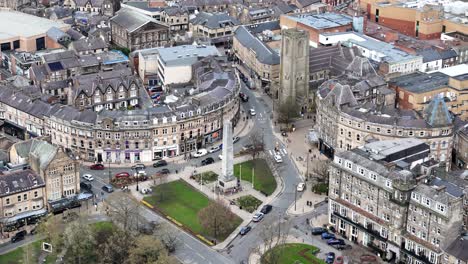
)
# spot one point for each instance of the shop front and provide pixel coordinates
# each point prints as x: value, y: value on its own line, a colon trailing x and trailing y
x: 164, y: 151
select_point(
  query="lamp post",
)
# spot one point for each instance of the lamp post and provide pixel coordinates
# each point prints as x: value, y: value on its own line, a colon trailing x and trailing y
x: 108, y: 167
x: 295, y: 197
x: 307, y: 169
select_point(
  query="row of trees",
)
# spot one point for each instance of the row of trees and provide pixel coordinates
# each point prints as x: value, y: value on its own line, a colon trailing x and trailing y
x: 128, y: 240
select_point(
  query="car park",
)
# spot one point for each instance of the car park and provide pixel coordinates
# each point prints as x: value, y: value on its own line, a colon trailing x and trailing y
x: 121, y: 175
x: 19, y: 236
x: 96, y: 167
x: 326, y: 235
x: 207, y: 161
x: 334, y: 241
x: 200, y: 153
x: 318, y: 230
x: 88, y: 177
x: 257, y: 217
x: 160, y: 163
x: 301, y: 187
x: 278, y: 158
x: 330, y: 258
x: 266, y: 209
x: 252, y: 112
x: 215, y: 149
x: 244, y: 230
x: 107, y: 188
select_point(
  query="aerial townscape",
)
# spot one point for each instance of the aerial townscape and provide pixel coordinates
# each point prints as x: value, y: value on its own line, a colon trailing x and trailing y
x: 234, y: 131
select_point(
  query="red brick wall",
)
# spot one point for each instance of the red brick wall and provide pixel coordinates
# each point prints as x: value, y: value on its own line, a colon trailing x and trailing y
x: 403, y: 103
x: 405, y: 27
x: 429, y: 36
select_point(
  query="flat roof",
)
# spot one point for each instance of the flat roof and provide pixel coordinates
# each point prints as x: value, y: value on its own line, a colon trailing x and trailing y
x: 455, y: 70
x: 13, y: 24
x: 322, y: 21
x: 420, y: 82
x: 186, y: 54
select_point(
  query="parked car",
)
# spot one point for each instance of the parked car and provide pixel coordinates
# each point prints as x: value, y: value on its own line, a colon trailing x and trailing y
x: 343, y: 247
x: 247, y: 147
x: 214, y: 149
x: 266, y: 209
x: 244, y: 230
x: 340, y: 260
x: 235, y: 139
x: 96, y: 167
x: 86, y: 186
x: 164, y: 171
x: 244, y: 97
x: 278, y: 158
x: 145, y: 191
x: 330, y: 258
x: 139, y: 166
x: 220, y: 156
x: 334, y: 241
x: 326, y: 235
x: 107, y: 188
x: 160, y: 163
x: 301, y: 187
x: 207, y: 161
x: 88, y: 177
x: 121, y: 175
x: 252, y: 112
x: 200, y: 153
x: 318, y: 230
x: 257, y: 217
x: 18, y: 236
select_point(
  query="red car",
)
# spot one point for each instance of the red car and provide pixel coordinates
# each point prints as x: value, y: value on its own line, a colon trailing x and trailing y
x: 96, y: 167
x: 122, y: 175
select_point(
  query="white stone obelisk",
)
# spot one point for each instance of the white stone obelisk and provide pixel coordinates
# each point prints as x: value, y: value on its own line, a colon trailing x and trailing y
x: 227, y: 179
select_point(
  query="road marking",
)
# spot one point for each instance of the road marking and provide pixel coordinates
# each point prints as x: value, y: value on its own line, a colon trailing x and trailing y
x: 187, y: 245
x: 271, y: 152
x: 200, y: 256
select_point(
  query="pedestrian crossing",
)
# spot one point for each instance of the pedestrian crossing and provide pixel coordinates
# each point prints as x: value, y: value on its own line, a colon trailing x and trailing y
x: 281, y: 152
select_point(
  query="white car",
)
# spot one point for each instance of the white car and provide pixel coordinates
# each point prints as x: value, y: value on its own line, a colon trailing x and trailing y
x: 200, y: 153
x: 277, y: 158
x: 220, y: 156
x: 145, y: 191
x: 252, y: 112
x: 301, y: 187
x: 88, y: 177
x: 257, y: 217
x: 214, y: 149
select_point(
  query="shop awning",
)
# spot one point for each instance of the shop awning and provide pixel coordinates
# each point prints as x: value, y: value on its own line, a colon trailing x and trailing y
x: 18, y: 217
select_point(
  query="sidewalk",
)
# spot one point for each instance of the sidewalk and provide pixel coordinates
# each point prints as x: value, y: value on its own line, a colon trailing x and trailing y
x: 242, y: 128
x: 301, y: 206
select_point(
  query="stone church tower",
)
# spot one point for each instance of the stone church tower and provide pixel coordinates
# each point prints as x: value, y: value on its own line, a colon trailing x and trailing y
x: 294, y: 73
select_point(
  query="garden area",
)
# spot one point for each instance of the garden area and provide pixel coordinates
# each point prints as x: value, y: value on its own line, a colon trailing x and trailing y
x: 206, y: 177
x: 292, y: 253
x: 28, y: 254
x: 179, y: 201
x: 257, y: 170
x: 248, y: 203
x: 320, y: 188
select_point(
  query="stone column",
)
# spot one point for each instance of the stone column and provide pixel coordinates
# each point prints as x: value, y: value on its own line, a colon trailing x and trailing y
x: 227, y: 173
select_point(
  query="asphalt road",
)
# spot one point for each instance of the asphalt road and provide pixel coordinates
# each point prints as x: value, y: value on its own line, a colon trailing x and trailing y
x: 190, y: 250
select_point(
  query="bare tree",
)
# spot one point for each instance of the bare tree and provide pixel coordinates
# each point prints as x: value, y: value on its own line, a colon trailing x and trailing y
x: 274, y: 235
x: 79, y: 243
x: 287, y: 111
x: 168, y: 235
x: 148, y: 250
x: 217, y: 218
x: 319, y: 169
x: 125, y: 211
x: 257, y: 144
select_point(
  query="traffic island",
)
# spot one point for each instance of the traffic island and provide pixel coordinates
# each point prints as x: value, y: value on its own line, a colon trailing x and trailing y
x: 189, y: 209
x: 292, y: 253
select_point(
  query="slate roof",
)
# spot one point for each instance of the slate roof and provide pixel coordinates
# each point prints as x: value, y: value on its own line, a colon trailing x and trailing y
x: 334, y: 58
x: 144, y: 5
x: 214, y: 20
x: 436, y: 113
x: 132, y: 20
x: 305, y: 3
x: 19, y: 181
x: 75, y: 35
x: 263, y: 52
x: 458, y: 248
x: 448, y: 54
x: 173, y: 11
x: 260, y: 27
x: 87, y: 44
x: 284, y: 8
x: 43, y: 151
x: 57, y: 34
x: 429, y: 55
x: 94, y: 3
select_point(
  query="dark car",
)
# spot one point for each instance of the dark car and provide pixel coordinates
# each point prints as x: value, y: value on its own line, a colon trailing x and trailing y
x: 160, y: 163
x: 121, y: 175
x: 96, y: 167
x: 244, y: 97
x: 266, y: 208
x: 343, y: 247
x: 18, y: 236
x: 334, y: 241
x: 207, y: 161
x: 330, y: 258
x: 86, y: 186
x: 107, y: 188
x: 244, y: 230
x: 164, y: 171
x: 318, y: 230
x: 235, y: 139
x: 326, y: 235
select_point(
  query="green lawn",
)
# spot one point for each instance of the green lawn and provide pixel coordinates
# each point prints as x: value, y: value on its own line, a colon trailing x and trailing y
x: 263, y: 178
x: 102, y: 226
x: 290, y: 253
x: 181, y: 202
x: 248, y: 203
x: 18, y: 255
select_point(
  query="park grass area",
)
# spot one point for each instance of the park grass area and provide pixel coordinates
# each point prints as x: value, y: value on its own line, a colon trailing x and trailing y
x: 102, y: 226
x: 263, y: 179
x: 27, y: 254
x: 294, y: 253
x: 207, y: 177
x: 248, y: 203
x: 181, y: 202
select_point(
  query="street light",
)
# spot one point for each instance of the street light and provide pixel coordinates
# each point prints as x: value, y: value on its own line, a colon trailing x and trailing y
x: 295, y: 197
x: 108, y: 166
x: 307, y: 169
